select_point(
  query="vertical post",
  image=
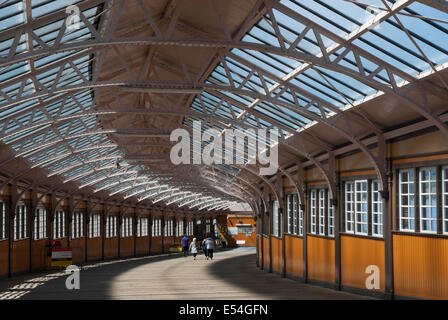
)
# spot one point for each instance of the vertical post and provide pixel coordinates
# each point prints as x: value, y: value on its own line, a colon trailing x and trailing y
x: 120, y: 221
x: 134, y: 230
x: 33, y: 208
x: 163, y: 233
x: 150, y: 222
x: 103, y: 230
x: 388, y: 237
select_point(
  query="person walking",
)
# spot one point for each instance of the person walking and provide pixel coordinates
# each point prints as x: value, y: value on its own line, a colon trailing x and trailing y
x: 185, y: 245
x: 204, y: 248
x: 210, y: 244
x: 194, y: 248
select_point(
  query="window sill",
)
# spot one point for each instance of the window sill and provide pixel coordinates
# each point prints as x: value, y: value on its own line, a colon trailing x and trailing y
x: 320, y: 236
x: 354, y: 235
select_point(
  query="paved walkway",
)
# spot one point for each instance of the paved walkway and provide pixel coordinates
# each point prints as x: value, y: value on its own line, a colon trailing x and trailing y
x: 230, y: 275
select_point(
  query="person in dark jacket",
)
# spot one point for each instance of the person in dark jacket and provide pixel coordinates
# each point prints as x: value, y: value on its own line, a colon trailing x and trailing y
x: 210, y: 245
x: 185, y: 245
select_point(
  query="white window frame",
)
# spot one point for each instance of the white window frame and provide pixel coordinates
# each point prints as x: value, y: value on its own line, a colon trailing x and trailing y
x: 349, y: 207
x: 111, y: 227
x: 289, y: 214
x: 95, y: 226
x: 59, y: 225
x: 313, y: 211
x: 322, y: 208
x: 377, y: 210
x: 295, y: 218
x: 40, y: 224
x: 142, y: 227
x: 330, y: 218
x: 445, y: 199
x: 275, y: 219
x: 3, y: 220
x: 78, y: 225
x: 431, y: 207
x: 21, y: 223
x: 408, y: 195
x: 360, y: 223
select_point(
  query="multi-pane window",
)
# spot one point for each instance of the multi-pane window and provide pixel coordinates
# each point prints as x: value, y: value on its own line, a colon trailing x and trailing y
x: 313, y: 211
x: 78, y: 225
x: 275, y: 219
x: 407, y: 200
x: 59, y: 225
x: 300, y: 221
x: 157, y: 228
x: 111, y: 226
x: 95, y: 226
x: 3, y: 220
x: 330, y: 217
x: 361, y: 207
x: 21, y: 223
x: 445, y: 199
x: 168, y: 228
x: 294, y: 218
x: 142, y: 227
x: 428, y: 200
x: 190, y: 228
x: 126, y: 227
x: 349, y: 207
x: 322, y: 211
x: 377, y: 210
x: 40, y: 224
x: 207, y: 226
x: 180, y: 228
x: 356, y: 207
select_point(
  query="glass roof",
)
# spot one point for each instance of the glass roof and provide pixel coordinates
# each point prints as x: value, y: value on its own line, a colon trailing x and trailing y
x: 268, y: 89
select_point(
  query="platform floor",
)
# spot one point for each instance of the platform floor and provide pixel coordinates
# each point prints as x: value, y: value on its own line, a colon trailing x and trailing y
x: 231, y: 274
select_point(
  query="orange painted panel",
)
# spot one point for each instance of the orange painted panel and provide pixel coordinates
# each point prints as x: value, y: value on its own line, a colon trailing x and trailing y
x: 266, y: 252
x: 4, y: 257
x: 277, y: 259
x: 95, y: 249
x: 40, y: 254
x: 127, y: 247
x: 294, y: 255
x: 420, y: 267
x: 21, y: 256
x: 78, y: 249
x: 321, y: 259
x: 111, y: 248
x: 356, y: 255
x: 167, y: 242
x: 143, y: 245
x: 156, y: 245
